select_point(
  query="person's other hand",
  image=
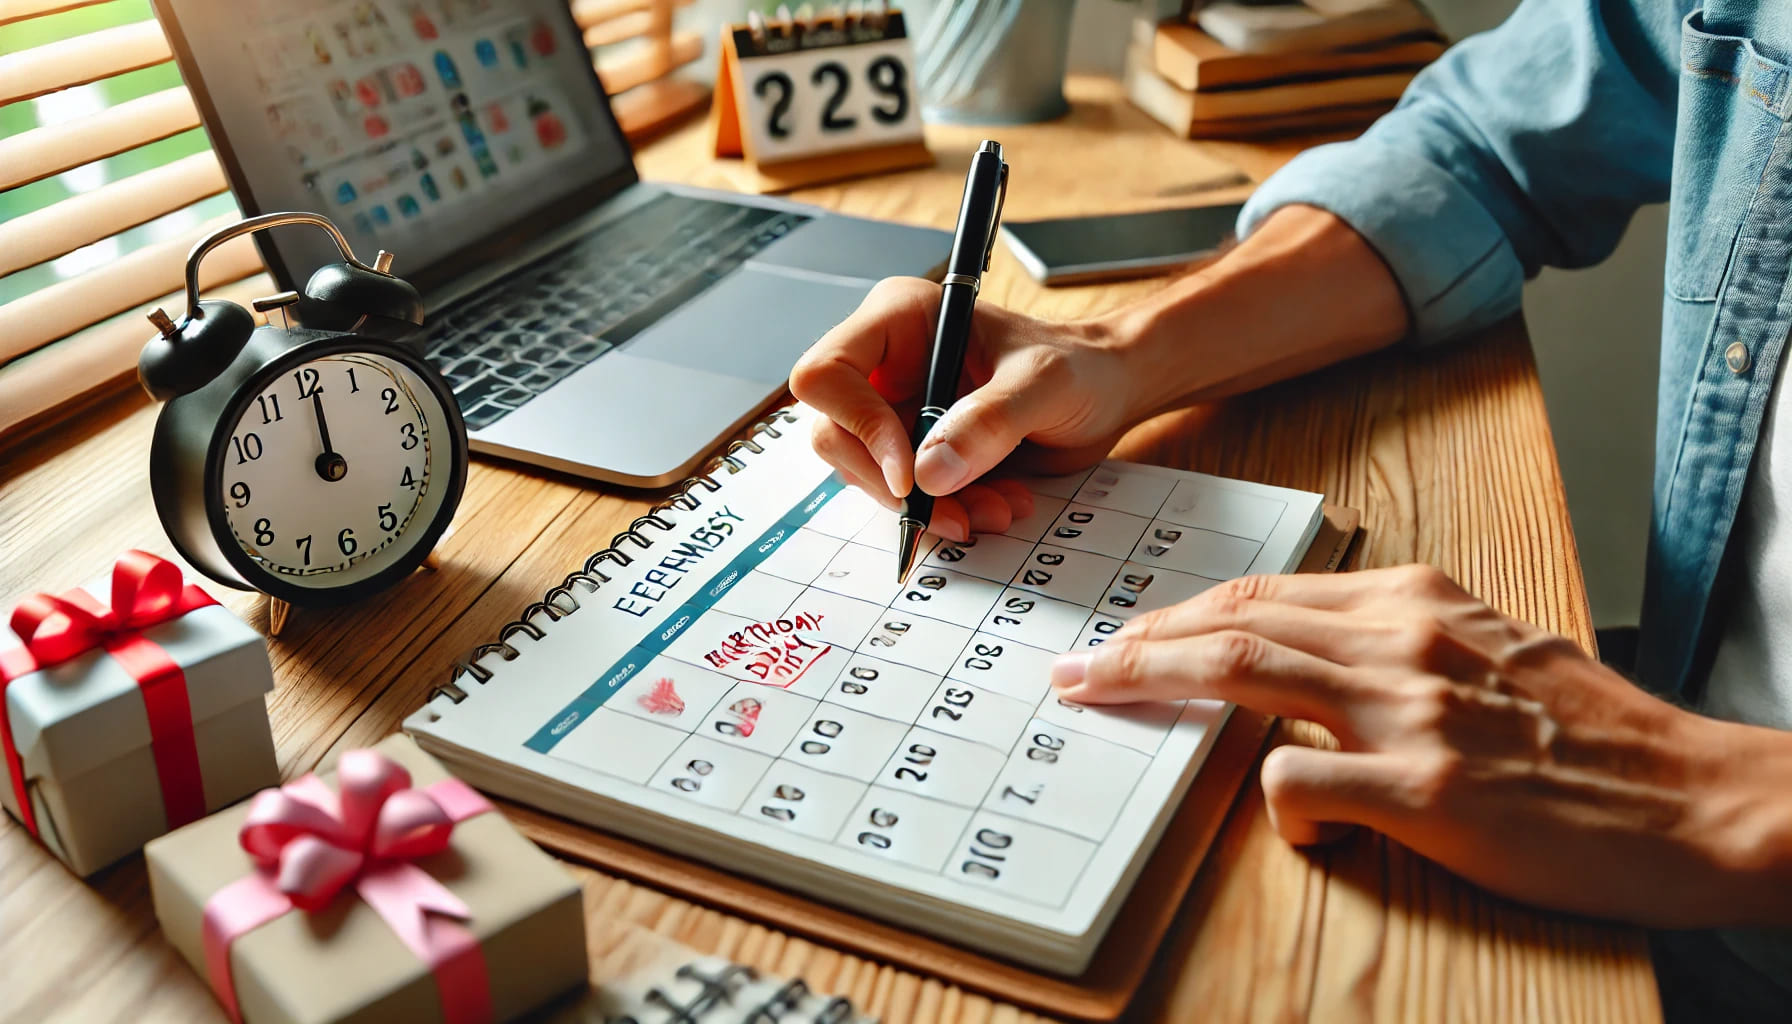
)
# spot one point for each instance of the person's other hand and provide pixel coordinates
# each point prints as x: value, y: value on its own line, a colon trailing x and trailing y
x: 1501, y: 751
x: 1061, y: 387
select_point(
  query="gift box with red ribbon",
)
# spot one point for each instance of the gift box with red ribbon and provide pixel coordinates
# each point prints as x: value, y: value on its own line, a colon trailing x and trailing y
x: 128, y: 708
x: 386, y: 890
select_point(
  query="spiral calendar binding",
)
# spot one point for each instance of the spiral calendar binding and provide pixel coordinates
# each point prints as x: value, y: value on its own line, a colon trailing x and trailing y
x: 832, y: 25
x: 562, y: 600
x: 723, y: 991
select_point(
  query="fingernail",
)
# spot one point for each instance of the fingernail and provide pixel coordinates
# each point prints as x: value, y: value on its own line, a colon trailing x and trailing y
x: 939, y: 469
x: 1070, y: 669
x: 892, y: 467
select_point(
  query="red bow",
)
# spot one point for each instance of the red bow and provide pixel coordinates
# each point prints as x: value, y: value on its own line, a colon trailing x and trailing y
x: 310, y: 843
x: 146, y: 591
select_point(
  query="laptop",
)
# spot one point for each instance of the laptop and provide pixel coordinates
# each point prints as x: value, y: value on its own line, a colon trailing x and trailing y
x: 588, y: 322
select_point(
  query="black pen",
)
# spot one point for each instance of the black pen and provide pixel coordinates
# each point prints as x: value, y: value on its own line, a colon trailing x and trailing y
x: 985, y: 188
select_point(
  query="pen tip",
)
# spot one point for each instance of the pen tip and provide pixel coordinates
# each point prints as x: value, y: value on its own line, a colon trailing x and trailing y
x: 907, y: 546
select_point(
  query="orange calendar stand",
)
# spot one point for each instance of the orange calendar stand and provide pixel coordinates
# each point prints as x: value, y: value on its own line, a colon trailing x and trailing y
x: 802, y: 101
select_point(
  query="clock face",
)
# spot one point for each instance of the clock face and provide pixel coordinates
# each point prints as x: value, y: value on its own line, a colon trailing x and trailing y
x: 335, y: 469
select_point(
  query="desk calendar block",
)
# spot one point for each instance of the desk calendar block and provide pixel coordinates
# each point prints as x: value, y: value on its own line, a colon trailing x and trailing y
x: 787, y: 709
x: 804, y: 101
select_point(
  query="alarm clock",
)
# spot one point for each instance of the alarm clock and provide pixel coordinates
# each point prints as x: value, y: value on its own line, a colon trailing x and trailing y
x: 316, y: 464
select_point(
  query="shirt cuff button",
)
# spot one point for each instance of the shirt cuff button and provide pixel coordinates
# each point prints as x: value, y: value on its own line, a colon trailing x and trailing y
x: 1736, y: 357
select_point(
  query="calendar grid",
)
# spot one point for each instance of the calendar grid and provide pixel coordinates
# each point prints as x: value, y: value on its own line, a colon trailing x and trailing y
x: 964, y: 742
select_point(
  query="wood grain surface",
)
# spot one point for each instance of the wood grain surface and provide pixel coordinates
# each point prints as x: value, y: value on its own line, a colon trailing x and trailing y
x: 1448, y: 455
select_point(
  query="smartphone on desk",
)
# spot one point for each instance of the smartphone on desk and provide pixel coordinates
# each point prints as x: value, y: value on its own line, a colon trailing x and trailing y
x: 1078, y: 250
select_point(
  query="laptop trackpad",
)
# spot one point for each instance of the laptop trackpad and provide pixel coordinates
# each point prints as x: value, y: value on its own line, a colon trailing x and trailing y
x: 753, y: 324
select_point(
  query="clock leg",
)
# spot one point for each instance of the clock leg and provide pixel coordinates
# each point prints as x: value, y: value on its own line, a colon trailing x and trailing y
x: 277, y: 612
x: 433, y: 560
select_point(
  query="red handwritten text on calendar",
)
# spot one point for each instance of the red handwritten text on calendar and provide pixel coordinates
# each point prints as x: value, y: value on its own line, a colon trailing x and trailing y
x: 775, y: 653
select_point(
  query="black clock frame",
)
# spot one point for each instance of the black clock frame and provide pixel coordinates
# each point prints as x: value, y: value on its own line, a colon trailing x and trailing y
x: 192, y: 437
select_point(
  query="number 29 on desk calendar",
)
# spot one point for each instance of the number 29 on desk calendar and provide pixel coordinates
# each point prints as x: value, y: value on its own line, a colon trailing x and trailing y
x: 794, y: 88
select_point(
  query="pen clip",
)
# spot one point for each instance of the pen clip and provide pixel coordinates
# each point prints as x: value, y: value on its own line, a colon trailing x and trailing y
x: 995, y: 219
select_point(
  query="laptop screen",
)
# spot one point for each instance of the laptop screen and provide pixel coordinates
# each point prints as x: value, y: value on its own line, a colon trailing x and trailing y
x: 418, y: 126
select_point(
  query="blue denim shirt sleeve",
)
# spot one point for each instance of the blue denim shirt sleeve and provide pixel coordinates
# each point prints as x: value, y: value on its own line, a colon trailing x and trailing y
x: 1525, y: 146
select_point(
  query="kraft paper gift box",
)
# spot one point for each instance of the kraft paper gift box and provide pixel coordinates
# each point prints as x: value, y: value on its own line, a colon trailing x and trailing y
x: 502, y: 921
x: 128, y: 708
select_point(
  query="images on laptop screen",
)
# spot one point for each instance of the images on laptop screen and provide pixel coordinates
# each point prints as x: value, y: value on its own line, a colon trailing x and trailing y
x: 418, y: 126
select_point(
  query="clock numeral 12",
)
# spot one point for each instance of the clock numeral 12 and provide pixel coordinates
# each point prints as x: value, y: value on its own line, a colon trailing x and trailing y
x: 306, y: 377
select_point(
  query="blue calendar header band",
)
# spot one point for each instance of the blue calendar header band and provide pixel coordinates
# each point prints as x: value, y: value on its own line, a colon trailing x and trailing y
x: 616, y: 676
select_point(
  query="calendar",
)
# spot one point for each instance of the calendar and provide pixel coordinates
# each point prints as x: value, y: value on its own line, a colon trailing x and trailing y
x: 753, y: 687
x: 808, y: 98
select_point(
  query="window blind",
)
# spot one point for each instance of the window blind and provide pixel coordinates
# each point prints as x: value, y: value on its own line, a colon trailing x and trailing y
x: 106, y: 181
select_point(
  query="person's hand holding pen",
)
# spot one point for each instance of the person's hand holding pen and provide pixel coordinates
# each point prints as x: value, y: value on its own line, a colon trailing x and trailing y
x: 1015, y: 379
x: 1053, y: 391
x: 1039, y: 397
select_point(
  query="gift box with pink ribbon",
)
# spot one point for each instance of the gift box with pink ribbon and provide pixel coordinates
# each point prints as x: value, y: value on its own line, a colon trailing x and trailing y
x: 128, y: 708
x: 386, y: 890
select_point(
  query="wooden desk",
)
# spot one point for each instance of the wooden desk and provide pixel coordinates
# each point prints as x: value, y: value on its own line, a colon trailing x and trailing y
x: 1449, y: 456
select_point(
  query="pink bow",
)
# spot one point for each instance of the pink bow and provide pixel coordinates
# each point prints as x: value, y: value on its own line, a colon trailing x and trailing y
x: 310, y: 843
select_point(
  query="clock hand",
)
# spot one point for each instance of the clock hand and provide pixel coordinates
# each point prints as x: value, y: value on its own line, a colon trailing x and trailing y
x: 330, y: 466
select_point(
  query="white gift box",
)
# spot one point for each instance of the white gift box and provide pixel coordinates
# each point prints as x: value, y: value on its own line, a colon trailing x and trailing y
x: 82, y: 732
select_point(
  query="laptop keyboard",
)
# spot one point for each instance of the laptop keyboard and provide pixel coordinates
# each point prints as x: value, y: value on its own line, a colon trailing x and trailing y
x: 519, y: 336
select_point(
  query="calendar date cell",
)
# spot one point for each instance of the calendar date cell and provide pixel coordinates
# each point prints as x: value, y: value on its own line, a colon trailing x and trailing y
x: 1019, y: 858
x: 1125, y: 490
x: 860, y: 572
x: 946, y: 595
x: 981, y: 716
x: 942, y: 767
x: 1036, y: 621
x: 987, y: 556
x: 1066, y: 574
x: 756, y: 717
x: 881, y: 688
x: 903, y: 827
x: 1066, y: 780
x: 1011, y: 669
x: 711, y: 772
x: 803, y: 800
x: 846, y: 742
x: 1140, y: 727
x: 1098, y: 530
x: 916, y: 641
x: 802, y: 556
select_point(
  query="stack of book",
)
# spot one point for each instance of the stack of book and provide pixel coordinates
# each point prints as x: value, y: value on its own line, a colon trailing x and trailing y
x: 1266, y: 78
